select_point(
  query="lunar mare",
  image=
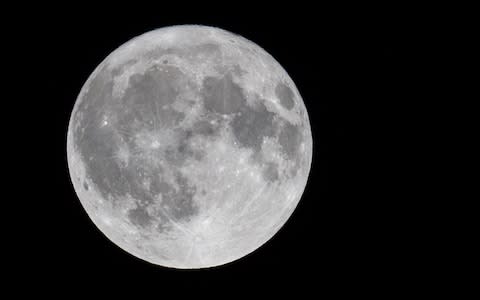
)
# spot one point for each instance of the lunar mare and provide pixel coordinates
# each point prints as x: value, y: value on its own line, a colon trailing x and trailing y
x: 189, y: 146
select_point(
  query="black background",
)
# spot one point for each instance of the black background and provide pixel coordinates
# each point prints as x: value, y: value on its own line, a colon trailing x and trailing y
x: 355, y: 67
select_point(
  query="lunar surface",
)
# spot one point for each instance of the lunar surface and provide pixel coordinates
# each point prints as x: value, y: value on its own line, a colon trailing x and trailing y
x: 189, y: 146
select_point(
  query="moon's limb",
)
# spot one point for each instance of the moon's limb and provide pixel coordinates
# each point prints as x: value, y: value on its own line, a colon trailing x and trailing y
x: 189, y: 146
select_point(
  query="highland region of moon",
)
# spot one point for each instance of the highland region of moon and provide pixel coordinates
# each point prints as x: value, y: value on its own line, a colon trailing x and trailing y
x: 189, y: 146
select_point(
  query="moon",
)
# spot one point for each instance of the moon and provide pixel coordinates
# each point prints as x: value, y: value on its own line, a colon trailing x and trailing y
x: 189, y: 146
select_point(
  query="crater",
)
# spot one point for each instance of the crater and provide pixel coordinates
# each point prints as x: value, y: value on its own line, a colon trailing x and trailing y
x: 285, y: 95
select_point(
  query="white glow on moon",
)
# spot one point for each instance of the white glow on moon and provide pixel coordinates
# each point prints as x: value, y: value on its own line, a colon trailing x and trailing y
x: 189, y: 146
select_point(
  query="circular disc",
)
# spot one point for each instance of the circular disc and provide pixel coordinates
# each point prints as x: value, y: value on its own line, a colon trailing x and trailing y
x: 189, y: 146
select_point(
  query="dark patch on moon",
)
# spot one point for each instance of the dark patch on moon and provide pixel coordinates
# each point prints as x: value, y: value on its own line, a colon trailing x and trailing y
x: 146, y: 104
x: 289, y: 139
x: 85, y: 185
x: 139, y: 216
x: 222, y: 95
x: 179, y: 201
x: 134, y: 177
x: 204, y: 127
x: 252, y: 125
x: 163, y: 225
x: 285, y: 95
x: 91, y: 106
x: 204, y: 48
x: 270, y: 171
x: 177, y: 154
x: 184, y: 207
x: 159, y: 84
x: 97, y: 145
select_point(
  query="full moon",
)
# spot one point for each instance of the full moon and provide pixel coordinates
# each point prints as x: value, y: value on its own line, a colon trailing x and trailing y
x: 189, y: 146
